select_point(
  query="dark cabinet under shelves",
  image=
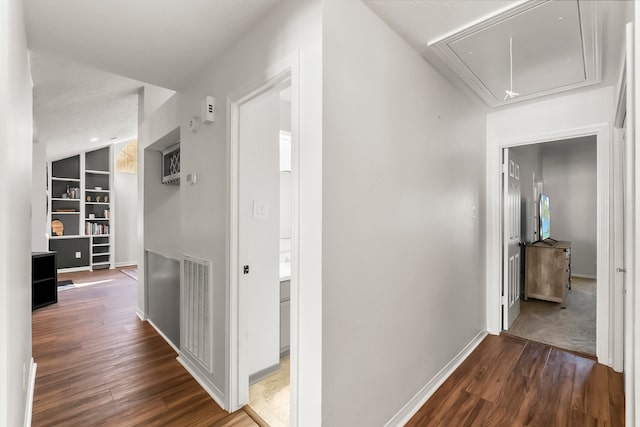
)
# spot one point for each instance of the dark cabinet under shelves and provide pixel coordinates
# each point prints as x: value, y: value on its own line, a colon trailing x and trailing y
x: 44, y: 279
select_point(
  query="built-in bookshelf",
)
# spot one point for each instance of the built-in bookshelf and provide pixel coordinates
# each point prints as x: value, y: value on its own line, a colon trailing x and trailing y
x: 64, y: 196
x: 97, y: 206
x: 80, y: 210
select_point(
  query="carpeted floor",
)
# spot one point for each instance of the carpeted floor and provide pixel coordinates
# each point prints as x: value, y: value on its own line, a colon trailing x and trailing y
x: 573, y: 328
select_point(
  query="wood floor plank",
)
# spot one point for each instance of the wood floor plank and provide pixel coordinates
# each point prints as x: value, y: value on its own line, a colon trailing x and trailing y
x: 616, y: 398
x: 98, y: 364
x: 495, y: 371
x: 544, y: 386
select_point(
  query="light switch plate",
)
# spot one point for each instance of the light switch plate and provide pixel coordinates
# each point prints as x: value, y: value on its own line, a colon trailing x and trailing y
x: 260, y: 209
x: 78, y: 255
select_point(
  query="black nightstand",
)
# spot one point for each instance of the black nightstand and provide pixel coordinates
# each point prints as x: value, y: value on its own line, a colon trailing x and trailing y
x: 44, y: 279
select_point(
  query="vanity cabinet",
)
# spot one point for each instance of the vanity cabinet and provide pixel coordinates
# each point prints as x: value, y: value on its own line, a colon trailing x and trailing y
x: 548, y: 271
x: 285, y: 317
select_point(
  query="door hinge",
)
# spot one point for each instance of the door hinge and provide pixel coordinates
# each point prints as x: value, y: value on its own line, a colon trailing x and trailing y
x: 503, y: 168
x: 621, y: 270
x: 503, y: 300
x: 245, y: 269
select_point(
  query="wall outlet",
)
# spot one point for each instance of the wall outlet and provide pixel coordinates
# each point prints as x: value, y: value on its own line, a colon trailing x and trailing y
x: 78, y: 255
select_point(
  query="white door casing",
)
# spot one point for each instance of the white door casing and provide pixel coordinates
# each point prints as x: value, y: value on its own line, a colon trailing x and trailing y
x: 287, y: 70
x: 511, y: 234
x: 632, y: 417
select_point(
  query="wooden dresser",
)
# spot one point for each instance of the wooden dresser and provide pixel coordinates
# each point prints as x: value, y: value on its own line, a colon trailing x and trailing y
x: 548, y: 271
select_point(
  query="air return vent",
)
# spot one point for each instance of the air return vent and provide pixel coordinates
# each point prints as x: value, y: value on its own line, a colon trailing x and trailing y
x: 197, y: 319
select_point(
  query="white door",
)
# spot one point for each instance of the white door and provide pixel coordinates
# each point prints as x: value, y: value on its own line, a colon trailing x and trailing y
x: 259, y: 229
x: 511, y: 245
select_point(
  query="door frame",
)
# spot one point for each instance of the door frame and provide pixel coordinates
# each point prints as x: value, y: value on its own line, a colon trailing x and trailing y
x: 237, y: 373
x: 605, y: 347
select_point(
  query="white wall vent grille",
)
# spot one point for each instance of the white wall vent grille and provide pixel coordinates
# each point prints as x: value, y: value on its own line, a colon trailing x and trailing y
x: 196, y: 316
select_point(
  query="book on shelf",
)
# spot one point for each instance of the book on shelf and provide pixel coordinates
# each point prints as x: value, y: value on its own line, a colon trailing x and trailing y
x: 95, y: 229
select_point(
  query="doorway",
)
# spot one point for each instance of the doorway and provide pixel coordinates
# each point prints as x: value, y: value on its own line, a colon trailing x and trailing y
x: 557, y: 275
x: 264, y: 251
x: 269, y: 383
x: 606, y: 335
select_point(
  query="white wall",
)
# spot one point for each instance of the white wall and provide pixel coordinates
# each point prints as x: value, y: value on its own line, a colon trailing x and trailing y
x: 285, y: 115
x: 572, y: 111
x: 291, y: 29
x: 125, y: 186
x: 160, y: 126
x: 403, y: 255
x: 16, y: 142
x: 570, y: 181
x: 150, y: 99
x: 39, y: 225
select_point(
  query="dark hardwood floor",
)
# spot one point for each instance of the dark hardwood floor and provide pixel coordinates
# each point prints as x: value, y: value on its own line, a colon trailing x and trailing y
x: 511, y: 382
x: 98, y: 364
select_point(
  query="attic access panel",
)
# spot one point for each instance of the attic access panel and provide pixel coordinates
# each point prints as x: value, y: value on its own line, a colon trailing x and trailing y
x: 554, y: 49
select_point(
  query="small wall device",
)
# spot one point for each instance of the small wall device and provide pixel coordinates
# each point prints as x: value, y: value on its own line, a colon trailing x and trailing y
x: 208, y: 109
x: 194, y: 124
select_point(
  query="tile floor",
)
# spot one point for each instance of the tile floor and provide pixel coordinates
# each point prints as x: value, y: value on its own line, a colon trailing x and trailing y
x: 270, y: 397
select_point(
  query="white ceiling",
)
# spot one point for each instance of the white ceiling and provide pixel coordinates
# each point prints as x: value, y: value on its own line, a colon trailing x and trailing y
x: 547, y: 54
x: 159, y: 42
x: 167, y: 43
x: 74, y: 103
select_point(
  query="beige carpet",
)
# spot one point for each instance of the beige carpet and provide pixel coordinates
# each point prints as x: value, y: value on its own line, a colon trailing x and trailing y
x: 270, y: 397
x: 573, y: 328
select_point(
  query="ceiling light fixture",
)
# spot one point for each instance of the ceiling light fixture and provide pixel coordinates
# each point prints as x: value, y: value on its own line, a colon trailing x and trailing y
x: 509, y: 93
x: 94, y: 139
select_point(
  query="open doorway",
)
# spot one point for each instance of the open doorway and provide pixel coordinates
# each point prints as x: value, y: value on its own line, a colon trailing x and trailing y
x: 558, y: 243
x: 264, y: 250
x: 269, y: 390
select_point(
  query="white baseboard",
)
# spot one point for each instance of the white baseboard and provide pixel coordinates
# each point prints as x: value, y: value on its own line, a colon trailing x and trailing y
x: 173, y: 346
x: 30, y: 392
x: 211, y: 389
x: 412, y: 406
x: 141, y: 315
x: 74, y: 269
x: 583, y: 276
x: 127, y: 264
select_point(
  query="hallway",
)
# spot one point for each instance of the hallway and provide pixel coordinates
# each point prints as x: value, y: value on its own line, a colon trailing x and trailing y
x: 98, y: 364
